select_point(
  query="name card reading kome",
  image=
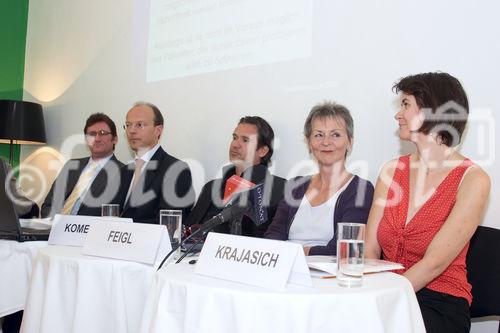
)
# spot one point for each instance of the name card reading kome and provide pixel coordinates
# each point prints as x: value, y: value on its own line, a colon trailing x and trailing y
x: 139, y: 242
x: 72, y: 230
x: 259, y: 262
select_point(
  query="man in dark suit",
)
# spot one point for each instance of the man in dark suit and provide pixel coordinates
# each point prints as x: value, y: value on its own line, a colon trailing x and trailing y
x: 155, y: 180
x: 250, y: 154
x: 84, y: 184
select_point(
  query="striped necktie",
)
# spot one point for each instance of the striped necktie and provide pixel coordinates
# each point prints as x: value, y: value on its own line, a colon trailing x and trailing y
x: 80, y: 187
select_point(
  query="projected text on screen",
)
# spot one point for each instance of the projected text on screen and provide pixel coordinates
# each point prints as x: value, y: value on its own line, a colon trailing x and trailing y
x: 188, y: 37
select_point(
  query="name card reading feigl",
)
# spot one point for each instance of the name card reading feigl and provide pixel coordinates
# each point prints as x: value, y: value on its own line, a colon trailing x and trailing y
x: 260, y: 262
x: 139, y: 242
x: 72, y: 230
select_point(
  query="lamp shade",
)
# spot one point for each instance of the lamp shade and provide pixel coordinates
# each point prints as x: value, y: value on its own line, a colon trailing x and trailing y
x: 22, y: 122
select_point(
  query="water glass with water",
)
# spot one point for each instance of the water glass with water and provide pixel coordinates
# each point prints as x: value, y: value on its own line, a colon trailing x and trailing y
x: 172, y: 220
x: 350, y: 254
x: 110, y: 210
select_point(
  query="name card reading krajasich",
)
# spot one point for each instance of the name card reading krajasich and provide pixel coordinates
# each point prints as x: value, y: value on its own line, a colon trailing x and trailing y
x: 260, y: 262
x: 72, y: 230
x: 139, y: 242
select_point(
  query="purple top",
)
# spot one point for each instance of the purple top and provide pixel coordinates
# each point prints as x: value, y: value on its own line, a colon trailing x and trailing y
x: 353, y: 205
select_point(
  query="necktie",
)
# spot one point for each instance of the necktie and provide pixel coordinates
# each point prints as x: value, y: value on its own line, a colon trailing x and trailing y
x: 137, y: 172
x: 80, y: 187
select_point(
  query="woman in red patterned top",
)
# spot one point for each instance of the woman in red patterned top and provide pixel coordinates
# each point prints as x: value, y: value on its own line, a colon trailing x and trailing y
x: 428, y: 204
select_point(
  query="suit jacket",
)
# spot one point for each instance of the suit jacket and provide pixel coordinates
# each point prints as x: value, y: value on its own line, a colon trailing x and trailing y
x: 210, y: 203
x: 165, y: 183
x: 104, y: 188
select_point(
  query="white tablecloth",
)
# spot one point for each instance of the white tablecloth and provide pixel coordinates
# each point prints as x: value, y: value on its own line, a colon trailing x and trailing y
x: 71, y: 292
x: 181, y: 301
x: 16, y: 259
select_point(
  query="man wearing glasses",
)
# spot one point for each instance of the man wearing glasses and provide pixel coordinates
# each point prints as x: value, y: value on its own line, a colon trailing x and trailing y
x: 155, y: 180
x: 83, y: 185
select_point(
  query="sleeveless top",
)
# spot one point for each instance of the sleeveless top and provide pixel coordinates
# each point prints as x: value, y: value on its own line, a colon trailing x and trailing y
x: 312, y: 226
x: 406, y: 244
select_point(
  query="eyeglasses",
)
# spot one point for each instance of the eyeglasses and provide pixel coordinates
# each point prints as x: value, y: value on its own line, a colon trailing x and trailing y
x: 139, y: 125
x: 100, y: 133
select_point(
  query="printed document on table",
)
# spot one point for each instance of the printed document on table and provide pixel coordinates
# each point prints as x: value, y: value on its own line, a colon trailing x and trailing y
x: 326, y: 266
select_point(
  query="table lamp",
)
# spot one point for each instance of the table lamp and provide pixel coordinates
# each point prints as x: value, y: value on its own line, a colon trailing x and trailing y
x: 21, y: 123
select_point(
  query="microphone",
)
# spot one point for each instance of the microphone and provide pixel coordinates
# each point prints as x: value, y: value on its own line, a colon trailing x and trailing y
x: 227, y: 214
x: 252, y: 202
x: 249, y: 203
x: 234, y: 185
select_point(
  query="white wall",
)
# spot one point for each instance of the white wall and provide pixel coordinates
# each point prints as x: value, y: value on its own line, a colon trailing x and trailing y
x: 85, y: 56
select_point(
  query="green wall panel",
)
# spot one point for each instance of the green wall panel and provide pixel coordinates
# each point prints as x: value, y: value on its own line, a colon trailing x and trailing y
x: 13, y: 26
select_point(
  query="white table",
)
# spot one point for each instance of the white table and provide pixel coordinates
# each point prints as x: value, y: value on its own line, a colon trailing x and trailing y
x: 70, y: 292
x: 181, y: 301
x: 16, y: 259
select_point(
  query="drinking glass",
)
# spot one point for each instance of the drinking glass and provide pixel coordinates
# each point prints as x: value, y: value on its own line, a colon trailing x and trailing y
x: 110, y: 210
x: 350, y: 254
x: 172, y: 220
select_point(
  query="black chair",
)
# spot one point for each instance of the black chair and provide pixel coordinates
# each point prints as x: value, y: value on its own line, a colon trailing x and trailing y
x: 483, y: 272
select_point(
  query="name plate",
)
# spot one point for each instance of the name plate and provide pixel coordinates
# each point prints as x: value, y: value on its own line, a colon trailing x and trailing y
x: 72, y: 230
x: 139, y: 242
x: 260, y: 262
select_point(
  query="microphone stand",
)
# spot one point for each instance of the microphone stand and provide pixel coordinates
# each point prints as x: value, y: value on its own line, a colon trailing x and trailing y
x: 232, y: 211
x: 236, y: 226
x: 188, y: 251
x: 218, y: 219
